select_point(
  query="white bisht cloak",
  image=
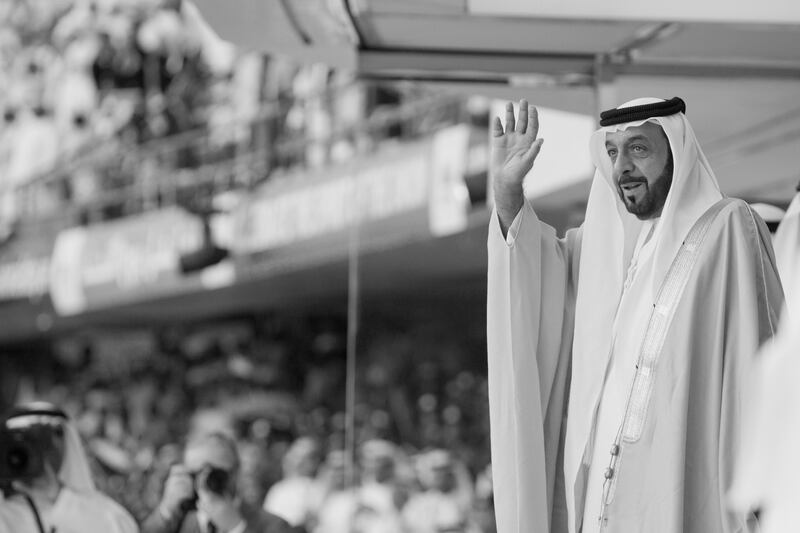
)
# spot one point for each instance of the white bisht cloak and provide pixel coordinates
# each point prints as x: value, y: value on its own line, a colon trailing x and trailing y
x: 787, y: 253
x: 551, y: 306
x: 768, y: 477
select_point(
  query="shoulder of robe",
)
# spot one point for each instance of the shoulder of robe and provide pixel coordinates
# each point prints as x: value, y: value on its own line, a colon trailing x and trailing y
x: 738, y: 227
x: 119, y: 512
x: 737, y: 215
x: 263, y: 521
x: 737, y: 207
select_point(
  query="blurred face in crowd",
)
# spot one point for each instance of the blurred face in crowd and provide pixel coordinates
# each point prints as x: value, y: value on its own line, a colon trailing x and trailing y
x: 642, y: 168
x: 379, y: 468
x: 307, y: 463
x: 377, y: 460
x: 443, y: 478
x: 441, y: 470
x: 212, y: 452
x: 335, y: 465
x: 302, y: 458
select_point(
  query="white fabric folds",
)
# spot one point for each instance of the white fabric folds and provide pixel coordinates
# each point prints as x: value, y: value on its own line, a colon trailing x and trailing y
x: 556, y: 309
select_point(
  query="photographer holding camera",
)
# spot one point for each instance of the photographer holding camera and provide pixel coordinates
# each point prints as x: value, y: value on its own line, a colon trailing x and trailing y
x: 45, y: 479
x: 200, y: 494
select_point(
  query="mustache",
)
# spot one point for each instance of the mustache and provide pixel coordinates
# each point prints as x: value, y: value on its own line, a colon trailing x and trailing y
x: 627, y: 180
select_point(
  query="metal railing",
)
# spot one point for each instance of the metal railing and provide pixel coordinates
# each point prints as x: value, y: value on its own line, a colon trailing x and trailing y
x: 193, y: 166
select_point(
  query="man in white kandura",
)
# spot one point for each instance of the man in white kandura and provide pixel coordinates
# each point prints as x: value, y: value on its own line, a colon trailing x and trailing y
x: 787, y: 252
x: 768, y: 474
x: 45, y: 478
x: 617, y: 355
x: 768, y: 477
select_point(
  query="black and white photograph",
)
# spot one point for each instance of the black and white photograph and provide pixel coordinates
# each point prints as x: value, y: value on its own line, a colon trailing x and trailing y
x: 399, y: 266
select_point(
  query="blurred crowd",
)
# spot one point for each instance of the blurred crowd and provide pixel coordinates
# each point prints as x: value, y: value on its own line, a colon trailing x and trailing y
x: 111, y: 107
x: 95, y: 78
x: 125, y: 96
x: 420, y: 424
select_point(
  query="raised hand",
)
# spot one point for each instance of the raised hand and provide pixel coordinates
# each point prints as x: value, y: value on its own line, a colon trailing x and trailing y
x: 178, y: 492
x: 513, y: 153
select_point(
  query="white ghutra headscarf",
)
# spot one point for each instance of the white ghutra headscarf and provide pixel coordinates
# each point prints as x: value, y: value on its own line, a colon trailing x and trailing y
x: 74, y: 470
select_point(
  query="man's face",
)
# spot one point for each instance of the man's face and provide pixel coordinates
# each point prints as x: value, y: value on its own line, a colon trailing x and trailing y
x: 381, y: 469
x: 642, y: 168
x: 443, y: 478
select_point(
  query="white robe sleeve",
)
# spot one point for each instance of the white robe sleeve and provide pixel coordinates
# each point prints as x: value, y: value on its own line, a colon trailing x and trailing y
x: 530, y: 309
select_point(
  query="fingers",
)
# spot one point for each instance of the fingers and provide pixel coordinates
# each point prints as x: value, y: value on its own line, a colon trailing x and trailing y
x: 526, y: 124
x: 533, y: 122
x: 178, y: 469
x: 179, y: 472
x: 533, y: 151
x: 20, y: 486
x: 497, y: 127
x: 522, y: 122
x: 510, y: 122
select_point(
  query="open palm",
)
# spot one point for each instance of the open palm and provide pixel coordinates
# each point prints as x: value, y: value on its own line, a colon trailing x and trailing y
x: 515, y: 148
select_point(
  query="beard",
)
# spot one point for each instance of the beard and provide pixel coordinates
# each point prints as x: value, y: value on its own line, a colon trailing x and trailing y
x: 655, y: 195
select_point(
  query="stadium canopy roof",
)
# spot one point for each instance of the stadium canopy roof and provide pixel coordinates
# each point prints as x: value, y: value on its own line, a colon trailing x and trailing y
x: 737, y: 64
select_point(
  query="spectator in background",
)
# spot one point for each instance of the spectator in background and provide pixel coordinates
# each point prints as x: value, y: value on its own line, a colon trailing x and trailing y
x: 371, y: 507
x: 7, y: 137
x: 53, y: 490
x: 483, y: 508
x: 380, y: 491
x: 296, y: 497
x: 34, y: 153
x: 200, y: 494
x: 445, y: 503
x: 331, y: 475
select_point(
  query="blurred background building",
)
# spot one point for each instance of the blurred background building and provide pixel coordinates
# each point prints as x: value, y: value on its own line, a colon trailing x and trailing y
x: 281, y: 231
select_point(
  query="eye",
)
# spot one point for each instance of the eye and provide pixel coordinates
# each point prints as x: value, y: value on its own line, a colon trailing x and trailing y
x: 638, y: 149
x: 612, y: 152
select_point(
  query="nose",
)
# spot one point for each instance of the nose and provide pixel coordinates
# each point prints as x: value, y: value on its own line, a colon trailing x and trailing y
x: 622, y: 164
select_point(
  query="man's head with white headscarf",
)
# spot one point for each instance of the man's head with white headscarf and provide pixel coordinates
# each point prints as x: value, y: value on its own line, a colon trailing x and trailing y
x: 42, y: 448
x: 692, y: 191
x: 610, y: 236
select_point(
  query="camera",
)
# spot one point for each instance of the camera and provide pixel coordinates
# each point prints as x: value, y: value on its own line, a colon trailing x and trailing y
x: 213, y: 479
x: 20, y: 458
x: 27, y: 441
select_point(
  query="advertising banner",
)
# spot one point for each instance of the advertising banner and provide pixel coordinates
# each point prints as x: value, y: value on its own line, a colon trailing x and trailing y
x: 323, y: 205
x: 24, y: 274
x: 404, y: 193
x: 124, y: 261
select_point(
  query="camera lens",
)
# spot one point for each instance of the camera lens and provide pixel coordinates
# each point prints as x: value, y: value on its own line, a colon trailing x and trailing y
x: 17, y: 460
x: 216, y: 480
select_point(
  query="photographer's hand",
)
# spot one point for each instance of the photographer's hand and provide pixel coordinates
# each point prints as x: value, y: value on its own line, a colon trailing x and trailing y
x: 178, y: 492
